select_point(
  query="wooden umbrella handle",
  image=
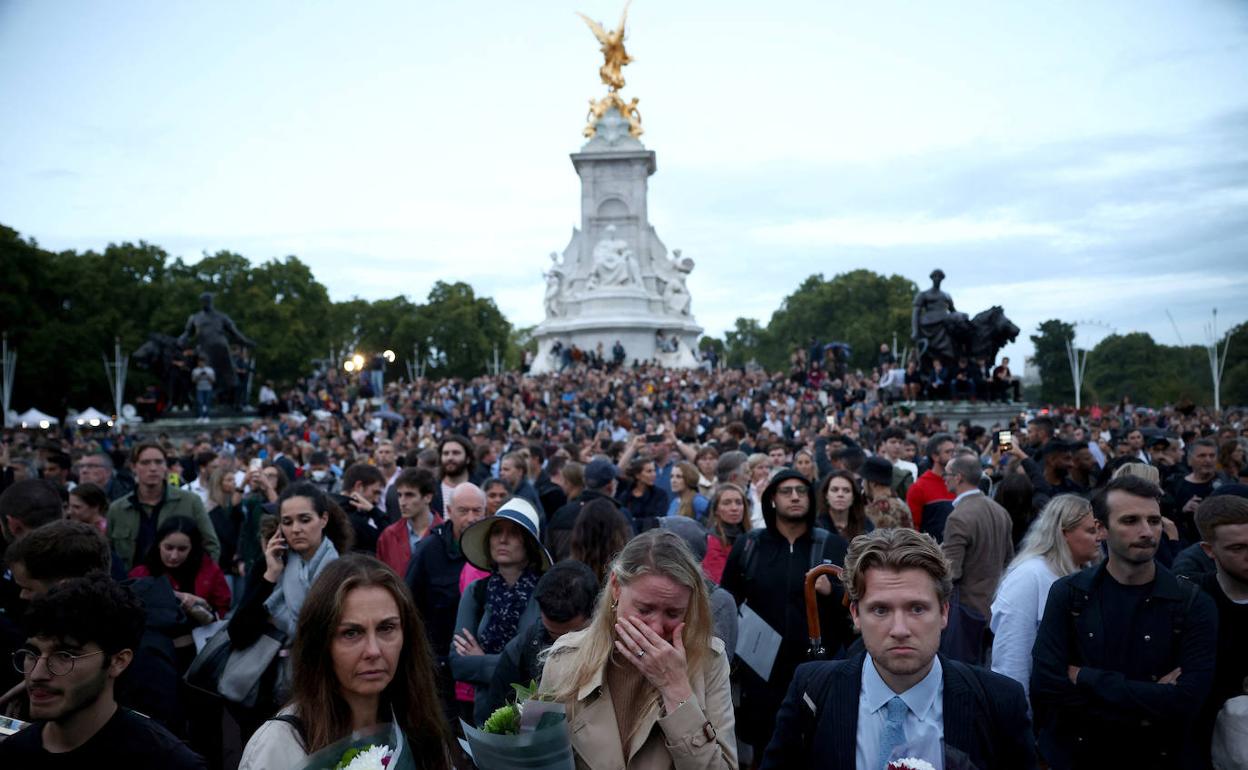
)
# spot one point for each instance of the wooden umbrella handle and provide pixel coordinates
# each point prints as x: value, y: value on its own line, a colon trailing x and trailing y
x: 812, y: 607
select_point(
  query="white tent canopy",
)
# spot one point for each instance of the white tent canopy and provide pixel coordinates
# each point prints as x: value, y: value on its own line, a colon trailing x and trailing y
x: 92, y: 417
x: 33, y: 418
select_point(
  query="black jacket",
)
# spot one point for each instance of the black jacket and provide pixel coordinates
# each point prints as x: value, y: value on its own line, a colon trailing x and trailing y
x: 1117, y: 713
x: 644, y: 512
x: 985, y: 718
x: 521, y: 662
x: 775, y: 590
x: 367, y: 525
x: 433, y: 578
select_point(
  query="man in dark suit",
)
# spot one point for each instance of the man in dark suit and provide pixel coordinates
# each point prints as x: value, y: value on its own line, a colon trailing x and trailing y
x: 899, y: 698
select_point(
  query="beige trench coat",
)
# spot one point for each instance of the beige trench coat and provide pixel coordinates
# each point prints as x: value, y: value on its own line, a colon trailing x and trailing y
x: 700, y: 735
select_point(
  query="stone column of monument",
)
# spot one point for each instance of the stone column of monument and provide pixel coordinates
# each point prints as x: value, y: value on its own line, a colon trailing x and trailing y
x: 615, y: 280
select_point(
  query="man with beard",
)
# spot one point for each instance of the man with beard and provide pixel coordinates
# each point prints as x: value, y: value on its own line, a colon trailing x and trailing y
x: 766, y: 571
x: 899, y: 698
x: 82, y: 636
x: 455, y: 459
x: 1124, y: 655
x: 385, y: 458
x: 1050, y: 472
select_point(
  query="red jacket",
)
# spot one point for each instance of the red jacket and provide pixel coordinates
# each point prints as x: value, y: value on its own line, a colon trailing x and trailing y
x: 393, y: 547
x: 209, y: 585
x: 716, y: 557
x: 928, y: 489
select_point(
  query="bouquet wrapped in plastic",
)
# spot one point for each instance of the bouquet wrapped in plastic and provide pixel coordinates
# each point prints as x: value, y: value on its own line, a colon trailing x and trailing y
x: 383, y: 748
x: 531, y: 734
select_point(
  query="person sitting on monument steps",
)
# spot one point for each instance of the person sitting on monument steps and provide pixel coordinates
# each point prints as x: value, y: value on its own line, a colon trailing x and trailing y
x: 899, y: 698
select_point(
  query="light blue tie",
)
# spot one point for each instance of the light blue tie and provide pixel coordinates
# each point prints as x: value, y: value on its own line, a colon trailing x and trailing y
x: 894, y: 729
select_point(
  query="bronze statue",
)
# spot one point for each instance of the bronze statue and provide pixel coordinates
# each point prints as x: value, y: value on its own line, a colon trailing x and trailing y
x: 213, y: 332
x: 940, y: 332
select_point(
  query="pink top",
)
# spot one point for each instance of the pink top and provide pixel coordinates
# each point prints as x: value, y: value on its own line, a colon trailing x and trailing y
x: 463, y: 690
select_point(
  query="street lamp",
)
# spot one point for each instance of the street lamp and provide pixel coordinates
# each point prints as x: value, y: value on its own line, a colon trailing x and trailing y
x: 349, y: 365
x: 389, y: 356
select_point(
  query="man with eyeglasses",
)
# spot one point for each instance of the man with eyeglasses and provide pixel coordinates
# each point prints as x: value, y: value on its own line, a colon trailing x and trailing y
x: 766, y: 571
x: 82, y: 637
x: 97, y: 468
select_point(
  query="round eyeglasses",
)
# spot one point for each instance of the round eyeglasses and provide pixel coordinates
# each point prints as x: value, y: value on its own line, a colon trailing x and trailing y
x: 59, y: 663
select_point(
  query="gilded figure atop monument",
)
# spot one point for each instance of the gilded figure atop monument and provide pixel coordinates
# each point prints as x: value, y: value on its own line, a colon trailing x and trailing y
x: 613, y: 51
x: 612, y: 73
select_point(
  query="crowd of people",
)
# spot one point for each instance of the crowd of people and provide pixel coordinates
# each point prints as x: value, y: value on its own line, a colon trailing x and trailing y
x: 1068, y: 588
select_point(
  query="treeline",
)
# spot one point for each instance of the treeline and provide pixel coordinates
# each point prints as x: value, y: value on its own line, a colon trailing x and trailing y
x: 861, y: 308
x: 1134, y: 365
x: 62, y: 310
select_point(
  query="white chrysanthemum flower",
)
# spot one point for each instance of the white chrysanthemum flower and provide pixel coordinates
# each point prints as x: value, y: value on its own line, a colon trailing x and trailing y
x: 372, y: 758
x: 910, y: 763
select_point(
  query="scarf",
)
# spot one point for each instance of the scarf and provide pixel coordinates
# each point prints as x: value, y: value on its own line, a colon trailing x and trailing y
x: 507, y: 604
x: 288, y: 595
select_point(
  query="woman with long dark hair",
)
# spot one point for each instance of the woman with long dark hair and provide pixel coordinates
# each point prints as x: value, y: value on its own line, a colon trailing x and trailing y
x: 178, y: 554
x: 311, y: 532
x: 840, y: 505
x: 640, y: 498
x: 599, y: 534
x: 361, y: 659
x: 1015, y: 493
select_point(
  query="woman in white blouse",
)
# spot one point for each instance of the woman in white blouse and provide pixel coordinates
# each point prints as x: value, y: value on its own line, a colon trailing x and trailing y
x: 1064, y: 539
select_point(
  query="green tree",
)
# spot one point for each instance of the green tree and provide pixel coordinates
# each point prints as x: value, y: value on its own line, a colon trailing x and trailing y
x: 743, y: 341
x: 1135, y: 365
x: 458, y: 332
x: 1052, y: 361
x: 1235, y: 375
x: 860, y: 307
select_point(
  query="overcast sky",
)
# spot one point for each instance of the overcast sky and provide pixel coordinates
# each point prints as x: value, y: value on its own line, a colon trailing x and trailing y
x: 1082, y: 160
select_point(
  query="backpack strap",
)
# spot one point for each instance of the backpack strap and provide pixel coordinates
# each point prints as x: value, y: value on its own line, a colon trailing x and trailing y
x: 295, y: 722
x: 816, y: 548
x: 748, y: 557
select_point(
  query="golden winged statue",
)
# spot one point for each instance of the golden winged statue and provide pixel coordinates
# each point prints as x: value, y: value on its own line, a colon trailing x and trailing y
x: 613, y: 51
x: 612, y: 74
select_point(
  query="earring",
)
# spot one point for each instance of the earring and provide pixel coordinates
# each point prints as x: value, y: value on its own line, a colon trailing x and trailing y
x: 615, y: 604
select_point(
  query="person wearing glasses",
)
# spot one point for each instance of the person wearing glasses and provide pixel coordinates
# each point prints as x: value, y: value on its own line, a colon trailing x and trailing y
x: 82, y: 637
x: 766, y: 572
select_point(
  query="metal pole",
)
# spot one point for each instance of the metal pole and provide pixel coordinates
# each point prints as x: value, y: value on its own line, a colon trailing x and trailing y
x: 1217, y: 360
x: 1078, y: 364
x: 9, y: 361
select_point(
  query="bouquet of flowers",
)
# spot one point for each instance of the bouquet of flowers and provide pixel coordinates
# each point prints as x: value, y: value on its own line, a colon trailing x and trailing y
x: 909, y: 763
x: 383, y: 748
x: 530, y: 733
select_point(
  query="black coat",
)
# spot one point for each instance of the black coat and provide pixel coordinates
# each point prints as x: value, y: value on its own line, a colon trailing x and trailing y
x: 776, y: 592
x: 985, y: 718
x: 433, y: 578
x: 1118, y: 714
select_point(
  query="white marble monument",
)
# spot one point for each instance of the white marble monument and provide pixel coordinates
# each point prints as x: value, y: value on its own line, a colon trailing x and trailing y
x: 615, y: 280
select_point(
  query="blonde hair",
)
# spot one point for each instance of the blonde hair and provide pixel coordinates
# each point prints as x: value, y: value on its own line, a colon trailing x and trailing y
x: 895, y: 549
x: 655, y: 552
x: 1144, y: 471
x: 1045, y: 538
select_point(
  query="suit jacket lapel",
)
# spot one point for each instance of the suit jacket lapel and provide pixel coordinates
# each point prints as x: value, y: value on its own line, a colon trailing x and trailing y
x: 845, y: 691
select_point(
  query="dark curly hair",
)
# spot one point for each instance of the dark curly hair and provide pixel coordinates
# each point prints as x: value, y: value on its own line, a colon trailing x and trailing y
x: 94, y: 608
